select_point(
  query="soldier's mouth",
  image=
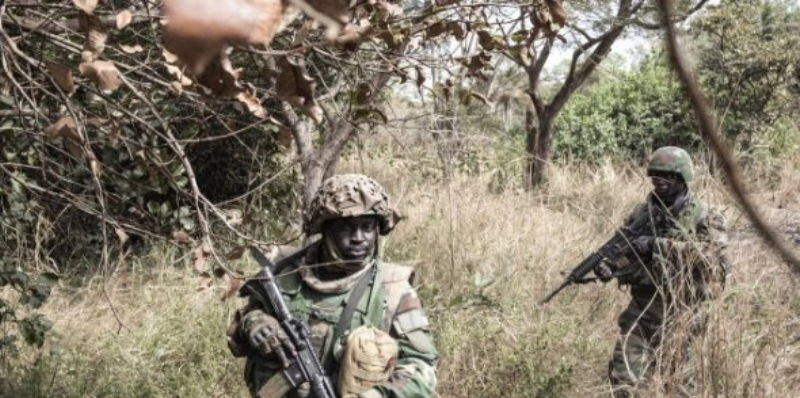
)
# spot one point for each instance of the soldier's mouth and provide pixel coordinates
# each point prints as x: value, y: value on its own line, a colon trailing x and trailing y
x: 357, y: 253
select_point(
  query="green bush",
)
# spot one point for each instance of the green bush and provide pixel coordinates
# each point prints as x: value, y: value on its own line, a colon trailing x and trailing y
x: 626, y: 116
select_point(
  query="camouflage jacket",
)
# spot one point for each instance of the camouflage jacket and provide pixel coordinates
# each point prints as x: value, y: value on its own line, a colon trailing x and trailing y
x: 687, y: 261
x: 390, y: 304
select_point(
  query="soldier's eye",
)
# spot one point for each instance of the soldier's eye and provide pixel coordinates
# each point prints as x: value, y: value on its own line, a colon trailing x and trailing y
x: 370, y: 226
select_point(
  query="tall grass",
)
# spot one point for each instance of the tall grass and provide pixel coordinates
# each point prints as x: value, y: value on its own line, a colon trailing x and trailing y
x: 485, y: 256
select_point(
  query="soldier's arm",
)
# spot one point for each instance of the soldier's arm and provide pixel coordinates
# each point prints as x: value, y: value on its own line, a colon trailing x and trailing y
x: 709, y: 239
x: 704, y: 248
x: 414, y: 376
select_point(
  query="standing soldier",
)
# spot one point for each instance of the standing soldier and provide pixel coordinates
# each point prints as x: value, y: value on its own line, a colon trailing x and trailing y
x: 366, y: 323
x: 681, y: 266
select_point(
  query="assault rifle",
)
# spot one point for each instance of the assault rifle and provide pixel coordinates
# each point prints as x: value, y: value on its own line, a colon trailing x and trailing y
x: 304, y: 367
x: 618, y: 245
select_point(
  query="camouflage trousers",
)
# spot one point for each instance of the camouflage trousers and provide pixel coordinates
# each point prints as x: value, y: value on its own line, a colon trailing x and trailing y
x: 639, y: 350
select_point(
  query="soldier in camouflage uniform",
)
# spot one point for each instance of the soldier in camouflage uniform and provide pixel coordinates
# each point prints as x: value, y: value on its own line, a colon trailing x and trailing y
x: 680, y: 265
x: 385, y: 348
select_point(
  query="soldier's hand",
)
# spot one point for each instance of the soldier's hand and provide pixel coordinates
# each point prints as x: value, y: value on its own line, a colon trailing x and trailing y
x: 643, y: 244
x: 264, y: 333
x: 303, y: 390
x: 603, y: 272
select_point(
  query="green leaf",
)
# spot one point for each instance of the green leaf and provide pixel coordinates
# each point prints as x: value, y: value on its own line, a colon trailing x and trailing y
x: 7, y: 100
x: 19, y: 279
x: 47, y: 279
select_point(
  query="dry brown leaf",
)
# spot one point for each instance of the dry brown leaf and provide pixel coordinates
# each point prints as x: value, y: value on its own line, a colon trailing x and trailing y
x: 198, y: 29
x: 176, y: 88
x: 331, y: 13
x: 131, y: 49
x: 199, y: 259
x: 95, y: 36
x: 183, y: 80
x: 252, y: 103
x: 285, y: 137
x: 64, y: 127
x: 122, y: 236
x: 221, y: 78
x: 420, y: 77
x: 236, y: 253
x: 124, y: 19
x: 295, y: 86
x: 103, y: 73
x: 389, y: 9
x: 486, y: 40
x: 557, y: 12
x: 67, y: 129
x: 549, y: 17
x: 87, y: 6
x: 458, y: 30
x: 181, y: 236
x: 233, y: 287
x: 115, y: 134
x: 169, y: 57
x: 435, y: 30
x: 97, y: 121
x: 94, y: 165
x: 62, y: 75
x: 354, y: 33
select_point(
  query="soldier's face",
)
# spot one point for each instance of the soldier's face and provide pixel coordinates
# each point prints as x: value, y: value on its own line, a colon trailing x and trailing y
x: 667, y: 186
x: 355, y: 237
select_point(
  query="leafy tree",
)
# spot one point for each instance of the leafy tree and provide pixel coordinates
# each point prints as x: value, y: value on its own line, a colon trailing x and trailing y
x: 529, y: 37
x: 749, y: 55
x: 626, y: 115
x: 119, y: 126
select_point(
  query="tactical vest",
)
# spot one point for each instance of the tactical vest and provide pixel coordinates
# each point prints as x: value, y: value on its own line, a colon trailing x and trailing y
x: 321, y: 312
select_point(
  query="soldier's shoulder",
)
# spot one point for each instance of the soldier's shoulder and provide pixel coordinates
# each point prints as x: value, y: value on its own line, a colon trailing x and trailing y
x: 393, y: 273
x: 708, y: 214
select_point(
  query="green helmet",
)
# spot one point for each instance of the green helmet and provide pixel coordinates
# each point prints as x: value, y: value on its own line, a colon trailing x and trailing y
x: 671, y: 159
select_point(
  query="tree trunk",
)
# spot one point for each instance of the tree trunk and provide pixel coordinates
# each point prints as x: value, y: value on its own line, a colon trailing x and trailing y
x: 313, y: 175
x: 538, y: 145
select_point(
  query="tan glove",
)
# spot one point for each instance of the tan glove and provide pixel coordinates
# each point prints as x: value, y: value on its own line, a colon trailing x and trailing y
x: 264, y: 333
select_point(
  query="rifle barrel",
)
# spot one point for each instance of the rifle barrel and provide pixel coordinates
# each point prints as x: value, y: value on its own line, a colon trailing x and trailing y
x: 555, y: 292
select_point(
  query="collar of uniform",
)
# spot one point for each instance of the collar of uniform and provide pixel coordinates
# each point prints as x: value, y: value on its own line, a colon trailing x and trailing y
x: 332, y: 286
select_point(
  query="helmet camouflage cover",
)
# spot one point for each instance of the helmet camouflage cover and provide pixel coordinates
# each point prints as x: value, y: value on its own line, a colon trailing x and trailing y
x: 350, y: 195
x: 670, y: 159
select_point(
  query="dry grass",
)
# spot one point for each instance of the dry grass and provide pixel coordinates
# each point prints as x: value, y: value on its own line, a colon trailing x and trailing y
x: 485, y: 256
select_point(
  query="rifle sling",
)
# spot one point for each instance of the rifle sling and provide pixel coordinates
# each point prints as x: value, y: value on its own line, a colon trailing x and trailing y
x: 347, y: 315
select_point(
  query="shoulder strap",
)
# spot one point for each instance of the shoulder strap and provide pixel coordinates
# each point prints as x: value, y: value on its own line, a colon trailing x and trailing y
x: 347, y: 314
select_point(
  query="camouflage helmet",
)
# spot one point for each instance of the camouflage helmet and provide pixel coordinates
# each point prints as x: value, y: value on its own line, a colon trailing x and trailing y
x: 671, y: 159
x: 350, y: 195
